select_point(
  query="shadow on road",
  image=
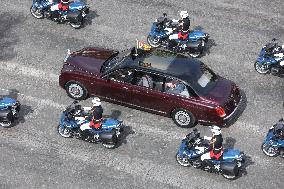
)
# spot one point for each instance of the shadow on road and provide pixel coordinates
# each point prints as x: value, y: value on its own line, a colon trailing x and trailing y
x: 247, y: 163
x: 127, y: 130
x: 7, y: 39
x: 90, y: 17
x: 25, y: 109
x: 229, y: 143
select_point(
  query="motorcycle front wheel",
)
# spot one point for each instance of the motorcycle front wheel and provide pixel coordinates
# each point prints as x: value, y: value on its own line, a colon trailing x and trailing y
x: 183, y: 161
x: 269, y: 150
x: 37, y: 13
x: 153, y: 42
x: 260, y: 68
x: 64, y: 132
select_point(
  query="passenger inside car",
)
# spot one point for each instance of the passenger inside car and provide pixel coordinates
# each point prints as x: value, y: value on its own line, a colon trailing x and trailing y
x: 146, y: 81
x: 122, y: 76
x: 176, y: 87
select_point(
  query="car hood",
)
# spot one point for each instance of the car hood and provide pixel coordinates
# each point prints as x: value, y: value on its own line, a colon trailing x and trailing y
x: 90, y: 59
x: 221, y: 92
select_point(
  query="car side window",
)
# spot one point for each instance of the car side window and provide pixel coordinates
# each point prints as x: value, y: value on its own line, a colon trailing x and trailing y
x: 121, y: 75
x: 148, y: 80
x: 174, y: 86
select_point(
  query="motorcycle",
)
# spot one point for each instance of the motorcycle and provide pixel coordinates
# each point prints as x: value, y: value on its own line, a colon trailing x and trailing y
x: 9, y: 109
x: 162, y: 28
x: 75, y: 15
x: 271, y: 59
x: 272, y: 145
x: 74, y: 116
x: 193, y: 146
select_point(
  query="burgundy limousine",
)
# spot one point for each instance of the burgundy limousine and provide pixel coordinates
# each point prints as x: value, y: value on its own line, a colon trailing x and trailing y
x: 155, y: 81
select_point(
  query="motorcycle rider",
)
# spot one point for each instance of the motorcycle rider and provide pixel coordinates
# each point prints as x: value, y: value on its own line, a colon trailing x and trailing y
x: 95, y: 118
x: 216, y: 148
x: 183, y: 29
x: 62, y: 5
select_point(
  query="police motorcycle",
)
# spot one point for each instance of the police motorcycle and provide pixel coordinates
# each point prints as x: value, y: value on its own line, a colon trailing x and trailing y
x: 74, y: 116
x: 9, y: 109
x: 193, y: 146
x: 271, y: 59
x: 75, y: 15
x: 163, y: 27
x: 273, y: 144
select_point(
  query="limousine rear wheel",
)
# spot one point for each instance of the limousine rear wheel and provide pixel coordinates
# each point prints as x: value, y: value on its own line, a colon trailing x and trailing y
x: 183, y: 118
x: 76, y: 90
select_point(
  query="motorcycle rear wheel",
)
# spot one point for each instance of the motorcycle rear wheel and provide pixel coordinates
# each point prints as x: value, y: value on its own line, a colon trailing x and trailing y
x: 153, y: 42
x: 6, y: 124
x: 229, y: 177
x: 261, y: 69
x: 64, y: 132
x: 269, y: 150
x: 37, y: 13
x: 197, y: 54
x: 76, y: 25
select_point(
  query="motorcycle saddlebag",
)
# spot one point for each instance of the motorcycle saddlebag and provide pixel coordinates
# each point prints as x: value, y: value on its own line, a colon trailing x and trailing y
x: 6, y: 115
x: 74, y: 16
x: 196, y: 44
x: 229, y: 168
x: 108, y: 137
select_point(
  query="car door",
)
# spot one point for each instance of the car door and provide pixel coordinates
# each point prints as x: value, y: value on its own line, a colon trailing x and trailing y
x: 114, y: 86
x: 148, y: 97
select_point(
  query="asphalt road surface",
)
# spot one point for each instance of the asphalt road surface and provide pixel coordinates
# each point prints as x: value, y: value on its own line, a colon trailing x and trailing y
x: 34, y: 155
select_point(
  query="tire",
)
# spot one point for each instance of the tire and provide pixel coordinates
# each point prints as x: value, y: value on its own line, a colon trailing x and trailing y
x: 76, y: 25
x: 261, y: 68
x: 269, y: 150
x: 183, y: 161
x: 76, y: 90
x: 6, y: 124
x: 64, y: 132
x: 183, y: 118
x: 153, y: 42
x: 37, y: 13
x: 229, y: 177
x: 112, y: 145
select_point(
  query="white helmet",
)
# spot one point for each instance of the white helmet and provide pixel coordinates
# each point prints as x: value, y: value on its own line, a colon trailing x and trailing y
x: 183, y: 14
x: 215, y: 130
x: 96, y: 101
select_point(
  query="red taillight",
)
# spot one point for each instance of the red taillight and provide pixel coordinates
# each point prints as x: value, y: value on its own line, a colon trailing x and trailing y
x: 220, y: 111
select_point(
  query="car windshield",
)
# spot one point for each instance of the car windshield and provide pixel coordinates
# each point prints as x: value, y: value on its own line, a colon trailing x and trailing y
x: 115, y: 60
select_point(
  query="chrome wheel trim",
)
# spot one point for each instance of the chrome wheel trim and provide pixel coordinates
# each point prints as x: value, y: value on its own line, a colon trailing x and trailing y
x: 182, y: 118
x: 75, y: 90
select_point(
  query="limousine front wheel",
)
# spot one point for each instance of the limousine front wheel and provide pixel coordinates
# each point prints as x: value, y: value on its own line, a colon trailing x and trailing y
x: 76, y: 90
x: 183, y: 118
